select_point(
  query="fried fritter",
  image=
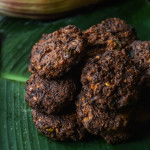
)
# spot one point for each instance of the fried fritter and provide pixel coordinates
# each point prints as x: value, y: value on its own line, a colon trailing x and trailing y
x: 102, y: 122
x: 61, y: 127
x: 97, y: 37
x: 112, y: 33
x: 57, y: 52
x: 111, y: 80
x: 120, y: 29
x: 141, y: 54
x: 113, y: 95
x: 49, y: 96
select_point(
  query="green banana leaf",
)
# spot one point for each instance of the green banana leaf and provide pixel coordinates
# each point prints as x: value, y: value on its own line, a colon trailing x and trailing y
x: 17, y: 36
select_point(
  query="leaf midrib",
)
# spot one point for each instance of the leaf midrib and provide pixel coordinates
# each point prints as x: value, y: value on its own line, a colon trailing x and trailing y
x: 14, y: 77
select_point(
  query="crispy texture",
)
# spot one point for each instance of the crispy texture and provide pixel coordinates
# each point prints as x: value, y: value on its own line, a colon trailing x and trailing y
x: 112, y: 33
x: 61, y: 128
x: 49, y: 96
x: 97, y: 37
x: 57, y: 52
x: 140, y: 52
x: 96, y: 120
x: 120, y: 29
x: 111, y: 80
x: 113, y: 95
x: 111, y: 125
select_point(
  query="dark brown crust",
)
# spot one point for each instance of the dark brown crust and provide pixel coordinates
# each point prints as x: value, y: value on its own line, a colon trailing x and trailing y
x: 97, y: 37
x: 112, y: 100
x: 120, y: 29
x: 49, y: 96
x: 141, y: 54
x: 96, y: 120
x: 111, y: 80
x: 61, y: 128
x: 57, y: 52
x: 112, y: 33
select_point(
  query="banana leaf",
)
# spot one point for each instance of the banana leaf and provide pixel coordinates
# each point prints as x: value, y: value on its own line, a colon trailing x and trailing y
x: 17, y: 36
